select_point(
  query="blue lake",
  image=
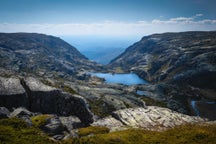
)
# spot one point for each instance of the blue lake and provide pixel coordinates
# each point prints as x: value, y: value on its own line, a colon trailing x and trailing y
x: 126, y: 79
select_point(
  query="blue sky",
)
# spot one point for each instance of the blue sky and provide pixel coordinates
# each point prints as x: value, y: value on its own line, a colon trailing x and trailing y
x: 106, y: 17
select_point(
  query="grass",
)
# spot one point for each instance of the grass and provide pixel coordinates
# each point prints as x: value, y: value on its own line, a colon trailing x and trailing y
x: 16, y: 131
x: 185, y: 134
x: 60, y: 85
x: 40, y: 120
x: 100, y: 108
x: 92, y: 130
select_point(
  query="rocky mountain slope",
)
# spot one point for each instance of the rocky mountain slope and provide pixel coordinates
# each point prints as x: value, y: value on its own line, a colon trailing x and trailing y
x: 45, y: 87
x: 182, y: 64
x: 42, y: 55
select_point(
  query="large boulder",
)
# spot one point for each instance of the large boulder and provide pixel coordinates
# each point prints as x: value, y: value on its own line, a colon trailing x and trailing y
x: 12, y: 93
x: 38, y: 97
x: 50, y: 100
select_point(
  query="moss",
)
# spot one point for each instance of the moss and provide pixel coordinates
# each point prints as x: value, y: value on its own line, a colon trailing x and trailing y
x: 152, y: 102
x: 92, y: 130
x: 16, y: 131
x: 100, y: 108
x: 40, y: 120
x: 60, y: 85
x: 187, y: 134
x: 69, y: 89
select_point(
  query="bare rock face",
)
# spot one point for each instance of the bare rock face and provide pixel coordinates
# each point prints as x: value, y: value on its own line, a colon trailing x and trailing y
x: 12, y: 93
x: 71, y: 122
x: 150, y: 118
x: 4, y: 112
x: 109, y: 122
x: 37, y: 97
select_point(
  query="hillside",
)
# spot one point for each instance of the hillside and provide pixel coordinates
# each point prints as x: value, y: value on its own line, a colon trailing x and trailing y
x: 42, y: 55
x: 182, y: 64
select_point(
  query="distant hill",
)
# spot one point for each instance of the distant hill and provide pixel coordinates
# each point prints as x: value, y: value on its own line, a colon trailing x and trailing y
x: 41, y: 54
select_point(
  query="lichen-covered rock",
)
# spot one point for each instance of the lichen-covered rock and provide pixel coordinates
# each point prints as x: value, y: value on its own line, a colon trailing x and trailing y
x: 109, y: 122
x: 53, y: 126
x: 22, y: 113
x: 4, y: 112
x: 19, y: 112
x: 70, y: 122
x: 150, y: 118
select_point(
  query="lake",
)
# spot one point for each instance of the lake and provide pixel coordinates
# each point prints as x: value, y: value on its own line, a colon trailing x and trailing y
x: 126, y: 79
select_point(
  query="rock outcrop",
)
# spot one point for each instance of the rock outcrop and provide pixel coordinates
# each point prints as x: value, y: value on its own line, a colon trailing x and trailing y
x: 4, y: 112
x: 37, y: 97
x: 149, y: 118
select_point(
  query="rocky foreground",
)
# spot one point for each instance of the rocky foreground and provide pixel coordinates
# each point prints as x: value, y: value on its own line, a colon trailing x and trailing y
x: 63, y: 113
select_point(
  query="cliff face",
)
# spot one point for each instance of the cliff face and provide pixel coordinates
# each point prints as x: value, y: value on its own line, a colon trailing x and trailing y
x: 185, y: 63
x: 41, y: 54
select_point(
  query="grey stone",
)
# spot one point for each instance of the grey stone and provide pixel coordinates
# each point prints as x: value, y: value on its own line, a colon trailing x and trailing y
x: 70, y: 122
x: 4, y: 112
x: 53, y: 126
x: 149, y: 118
x: 20, y: 112
x: 12, y: 93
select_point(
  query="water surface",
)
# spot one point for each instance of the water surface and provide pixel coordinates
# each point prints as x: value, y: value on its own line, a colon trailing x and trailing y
x: 126, y: 79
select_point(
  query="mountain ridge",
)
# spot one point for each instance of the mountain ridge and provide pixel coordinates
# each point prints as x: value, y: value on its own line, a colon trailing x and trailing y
x: 41, y: 54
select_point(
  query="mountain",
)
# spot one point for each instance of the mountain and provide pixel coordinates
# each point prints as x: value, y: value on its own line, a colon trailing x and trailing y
x: 48, y: 96
x: 182, y: 64
x: 41, y: 54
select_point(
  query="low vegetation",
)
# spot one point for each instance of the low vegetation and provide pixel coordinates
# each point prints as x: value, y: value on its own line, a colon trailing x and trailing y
x: 92, y: 130
x: 152, y: 102
x: 16, y: 131
x: 40, y: 120
x: 101, y: 108
x: 186, y: 134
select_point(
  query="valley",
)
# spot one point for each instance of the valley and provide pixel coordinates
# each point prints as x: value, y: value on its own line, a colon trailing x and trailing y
x: 160, y: 82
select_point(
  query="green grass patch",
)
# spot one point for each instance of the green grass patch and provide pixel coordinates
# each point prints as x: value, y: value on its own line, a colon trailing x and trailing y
x: 100, y: 108
x: 186, y: 134
x: 40, y: 120
x: 16, y: 131
x: 92, y: 130
x: 60, y: 85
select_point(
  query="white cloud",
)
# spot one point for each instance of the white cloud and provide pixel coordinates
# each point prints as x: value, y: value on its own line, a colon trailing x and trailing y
x: 199, y: 15
x: 114, y: 28
x: 181, y: 19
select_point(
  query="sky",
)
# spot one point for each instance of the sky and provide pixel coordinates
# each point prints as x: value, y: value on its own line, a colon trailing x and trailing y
x: 107, y: 18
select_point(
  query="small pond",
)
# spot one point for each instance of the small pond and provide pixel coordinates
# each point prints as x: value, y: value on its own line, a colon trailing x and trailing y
x: 126, y: 79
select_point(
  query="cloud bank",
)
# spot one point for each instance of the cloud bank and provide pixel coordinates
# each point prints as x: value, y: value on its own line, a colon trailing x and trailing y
x: 115, y: 28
